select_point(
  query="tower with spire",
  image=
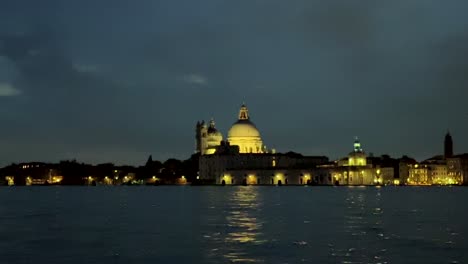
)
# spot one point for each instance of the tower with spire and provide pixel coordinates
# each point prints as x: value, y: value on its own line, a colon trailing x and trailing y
x: 448, y: 146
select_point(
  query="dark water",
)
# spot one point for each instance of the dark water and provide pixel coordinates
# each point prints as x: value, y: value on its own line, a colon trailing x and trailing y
x: 233, y: 225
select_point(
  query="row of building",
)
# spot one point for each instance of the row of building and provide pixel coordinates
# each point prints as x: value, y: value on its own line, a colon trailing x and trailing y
x: 243, y: 159
x: 73, y: 173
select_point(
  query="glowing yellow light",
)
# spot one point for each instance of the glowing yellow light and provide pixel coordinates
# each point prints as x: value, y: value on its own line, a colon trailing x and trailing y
x: 183, y: 177
x: 378, y: 171
x: 198, y: 177
x: 154, y: 177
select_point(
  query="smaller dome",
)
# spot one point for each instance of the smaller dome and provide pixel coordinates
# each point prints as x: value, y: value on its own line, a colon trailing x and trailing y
x: 218, y: 137
x: 212, y: 131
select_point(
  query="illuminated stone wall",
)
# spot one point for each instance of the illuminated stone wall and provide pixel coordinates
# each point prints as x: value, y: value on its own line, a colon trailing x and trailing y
x: 266, y: 177
x: 235, y: 168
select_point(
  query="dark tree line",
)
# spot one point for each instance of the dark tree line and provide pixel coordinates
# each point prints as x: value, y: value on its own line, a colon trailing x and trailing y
x: 75, y: 173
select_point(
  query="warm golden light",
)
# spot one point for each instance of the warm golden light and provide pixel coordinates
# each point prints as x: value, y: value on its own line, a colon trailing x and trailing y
x: 10, y: 180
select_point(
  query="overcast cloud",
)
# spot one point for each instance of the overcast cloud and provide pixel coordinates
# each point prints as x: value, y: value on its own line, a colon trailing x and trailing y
x: 119, y: 80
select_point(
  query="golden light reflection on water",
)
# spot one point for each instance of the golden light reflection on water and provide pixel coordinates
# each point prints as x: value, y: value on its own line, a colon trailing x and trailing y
x: 244, y: 228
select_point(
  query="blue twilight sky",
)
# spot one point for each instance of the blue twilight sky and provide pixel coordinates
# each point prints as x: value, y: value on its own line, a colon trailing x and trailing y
x: 117, y: 80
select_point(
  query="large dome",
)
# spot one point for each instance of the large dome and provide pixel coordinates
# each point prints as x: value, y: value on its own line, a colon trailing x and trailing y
x: 244, y: 134
x: 243, y: 128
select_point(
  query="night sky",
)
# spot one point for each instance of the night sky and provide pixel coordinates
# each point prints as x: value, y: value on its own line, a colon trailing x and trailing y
x: 118, y: 80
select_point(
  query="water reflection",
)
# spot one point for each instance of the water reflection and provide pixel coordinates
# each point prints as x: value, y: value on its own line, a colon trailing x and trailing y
x: 363, y: 226
x: 243, y: 227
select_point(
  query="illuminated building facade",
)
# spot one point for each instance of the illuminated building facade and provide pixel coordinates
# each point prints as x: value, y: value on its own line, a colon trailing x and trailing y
x: 436, y: 171
x: 355, y: 170
x: 207, y: 137
x: 243, y: 133
x: 457, y: 168
x: 228, y: 166
x: 447, y: 169
x: 34, y: 173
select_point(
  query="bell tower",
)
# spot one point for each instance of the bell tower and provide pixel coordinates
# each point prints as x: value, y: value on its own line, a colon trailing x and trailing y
x: 200, y: 135
x: 448, y: 146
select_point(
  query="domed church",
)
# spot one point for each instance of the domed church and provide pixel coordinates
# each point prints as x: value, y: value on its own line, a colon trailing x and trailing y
x: 243, y: 134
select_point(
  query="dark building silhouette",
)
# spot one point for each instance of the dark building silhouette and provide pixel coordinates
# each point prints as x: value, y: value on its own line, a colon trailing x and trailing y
x: 448, y: 146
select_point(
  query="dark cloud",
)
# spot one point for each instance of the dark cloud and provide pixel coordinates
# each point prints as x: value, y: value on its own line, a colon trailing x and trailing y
x: 114, y: 80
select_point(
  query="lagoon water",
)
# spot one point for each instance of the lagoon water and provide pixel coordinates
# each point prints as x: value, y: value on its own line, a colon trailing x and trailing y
x: 240, y: 224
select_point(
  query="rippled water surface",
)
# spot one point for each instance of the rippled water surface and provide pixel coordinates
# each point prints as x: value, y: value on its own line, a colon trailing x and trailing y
x: 233, y: 225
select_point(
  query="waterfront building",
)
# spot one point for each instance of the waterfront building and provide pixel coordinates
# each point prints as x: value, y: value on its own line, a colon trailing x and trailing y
x: 35, y: 173
x: 404, y: 165
x: 444, y: 169
x: 419, y: 175
x: 436, y: 171
x: 457, y: 168
x: 243, y: 159
x: 229, y: 166
x: 356, y: 170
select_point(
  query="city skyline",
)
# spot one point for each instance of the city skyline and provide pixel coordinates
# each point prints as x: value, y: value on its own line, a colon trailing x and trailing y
x: 80, y: 83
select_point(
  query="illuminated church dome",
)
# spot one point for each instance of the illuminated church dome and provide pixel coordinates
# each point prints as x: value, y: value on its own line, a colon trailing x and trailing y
x: 244, y: 134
